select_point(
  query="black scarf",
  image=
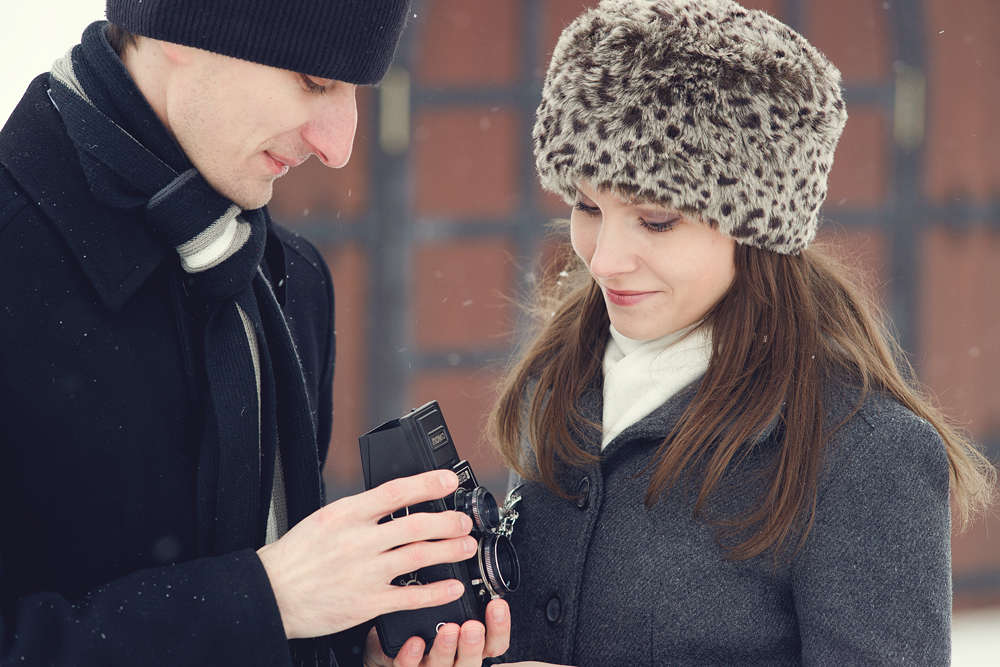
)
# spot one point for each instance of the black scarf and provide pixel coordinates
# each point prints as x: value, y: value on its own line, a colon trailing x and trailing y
x: 131, y: 161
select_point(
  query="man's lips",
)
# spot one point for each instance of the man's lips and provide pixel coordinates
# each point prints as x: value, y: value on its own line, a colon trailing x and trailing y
x: 625, y: 297
x: 280, y: 164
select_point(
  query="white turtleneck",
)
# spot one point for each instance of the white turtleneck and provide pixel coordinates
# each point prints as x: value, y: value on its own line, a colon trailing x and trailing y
x: 640, y: 376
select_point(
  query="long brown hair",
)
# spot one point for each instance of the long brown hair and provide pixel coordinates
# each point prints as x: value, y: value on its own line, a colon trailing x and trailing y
x: 788, y: 325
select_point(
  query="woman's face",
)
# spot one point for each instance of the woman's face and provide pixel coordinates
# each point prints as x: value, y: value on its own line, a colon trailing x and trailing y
x: 659, y: 270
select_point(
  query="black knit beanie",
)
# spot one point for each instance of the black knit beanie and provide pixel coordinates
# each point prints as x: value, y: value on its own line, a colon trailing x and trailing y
x: 346, y: 40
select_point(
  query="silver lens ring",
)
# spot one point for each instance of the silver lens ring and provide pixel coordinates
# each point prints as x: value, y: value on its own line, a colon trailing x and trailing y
x: 491, y: 550
x: 485, y: 512
x: 477, y: 518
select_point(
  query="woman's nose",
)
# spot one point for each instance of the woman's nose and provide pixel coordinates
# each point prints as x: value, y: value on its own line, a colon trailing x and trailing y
x: 613, y: 251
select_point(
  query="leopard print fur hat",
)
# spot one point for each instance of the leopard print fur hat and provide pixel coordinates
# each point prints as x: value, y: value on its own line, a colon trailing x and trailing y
x: 702, y: 106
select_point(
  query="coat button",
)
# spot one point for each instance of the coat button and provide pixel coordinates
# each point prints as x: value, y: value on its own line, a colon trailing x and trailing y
x: 583, y: 493
x: 554, y: 610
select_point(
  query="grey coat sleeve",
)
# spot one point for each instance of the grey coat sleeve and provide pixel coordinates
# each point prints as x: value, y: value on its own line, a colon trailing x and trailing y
x: 873, y: 583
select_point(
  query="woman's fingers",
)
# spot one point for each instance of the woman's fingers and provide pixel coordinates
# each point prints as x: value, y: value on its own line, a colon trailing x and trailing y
x: 454, y: 646
x: 497, y: 629
x: 444, y: 648
x: 471, y: 645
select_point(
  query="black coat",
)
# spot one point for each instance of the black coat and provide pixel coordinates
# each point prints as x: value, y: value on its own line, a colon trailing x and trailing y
x: 100, y: 426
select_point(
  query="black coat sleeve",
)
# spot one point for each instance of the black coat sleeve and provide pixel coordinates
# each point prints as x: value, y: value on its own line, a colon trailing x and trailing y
x: 211, y: 611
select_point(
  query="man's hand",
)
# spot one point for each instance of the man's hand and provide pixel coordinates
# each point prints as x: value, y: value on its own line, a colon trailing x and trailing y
x: 333, y: 570
x: 454, y: 646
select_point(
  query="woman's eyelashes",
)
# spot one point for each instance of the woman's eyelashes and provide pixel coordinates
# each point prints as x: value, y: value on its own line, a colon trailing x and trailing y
x: 659, y: 226
x: 657, y: 223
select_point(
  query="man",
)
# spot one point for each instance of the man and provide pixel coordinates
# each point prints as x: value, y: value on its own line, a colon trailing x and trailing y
x: 166, y: 354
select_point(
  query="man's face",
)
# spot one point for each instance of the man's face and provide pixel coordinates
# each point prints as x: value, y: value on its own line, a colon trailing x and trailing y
x: 243, y: 124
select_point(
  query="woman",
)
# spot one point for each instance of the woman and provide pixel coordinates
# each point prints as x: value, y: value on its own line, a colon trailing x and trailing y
x: 725, y: 459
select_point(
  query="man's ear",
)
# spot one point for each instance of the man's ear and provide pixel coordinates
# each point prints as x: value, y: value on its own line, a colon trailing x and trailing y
x: 176, y: 53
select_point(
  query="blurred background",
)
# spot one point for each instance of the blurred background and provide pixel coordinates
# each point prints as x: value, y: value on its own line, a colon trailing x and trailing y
x: 434, y: 230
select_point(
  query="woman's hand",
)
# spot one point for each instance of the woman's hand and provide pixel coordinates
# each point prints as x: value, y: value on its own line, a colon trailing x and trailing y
x: 454, y: 646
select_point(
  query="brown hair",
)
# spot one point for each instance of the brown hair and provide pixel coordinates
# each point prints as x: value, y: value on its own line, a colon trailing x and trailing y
x: 120, y: 39
x: 788, y: 325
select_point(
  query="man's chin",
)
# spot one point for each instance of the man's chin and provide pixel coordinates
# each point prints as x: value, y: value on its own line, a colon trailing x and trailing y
x: 249, y: 198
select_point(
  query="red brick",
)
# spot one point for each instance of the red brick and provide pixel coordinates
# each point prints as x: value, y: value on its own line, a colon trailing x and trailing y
x: 461, y: 292
x: 963, y: 134
x: 864, y: 249
x: 959, y: 319
x: 975, y: 549
x: 772, y: 7
x: 860, y: 167
x: 854, y: 35
x: 349, y: 268
x: 468, y: 43
x: 465, y: 162
x: 551, y: 204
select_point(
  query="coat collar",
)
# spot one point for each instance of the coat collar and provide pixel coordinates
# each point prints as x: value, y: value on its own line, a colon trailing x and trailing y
x: 114, y: 247
x: 656, y: 426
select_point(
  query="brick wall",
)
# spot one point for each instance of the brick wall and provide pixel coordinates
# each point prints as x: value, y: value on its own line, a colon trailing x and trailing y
x: 433, y: 230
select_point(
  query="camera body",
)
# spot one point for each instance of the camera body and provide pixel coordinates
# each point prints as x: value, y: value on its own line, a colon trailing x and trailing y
x: 420, y: 442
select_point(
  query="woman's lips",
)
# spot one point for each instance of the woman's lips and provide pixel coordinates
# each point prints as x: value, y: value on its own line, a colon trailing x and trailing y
x: 625, y: 297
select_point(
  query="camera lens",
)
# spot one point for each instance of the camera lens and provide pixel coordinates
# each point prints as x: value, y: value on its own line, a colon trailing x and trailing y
x: 481, y: 506
x: 499, y: 565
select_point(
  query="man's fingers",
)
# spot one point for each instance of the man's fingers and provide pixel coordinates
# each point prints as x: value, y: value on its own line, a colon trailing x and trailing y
x: 412, y: 557
x: 422, y: 526
x: 435, y: 594
x: 333, y: 570
x: 404, y: 492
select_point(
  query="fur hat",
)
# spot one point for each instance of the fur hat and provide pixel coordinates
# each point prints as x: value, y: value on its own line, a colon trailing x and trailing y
x: 346, y: 40
x: 699, y: 105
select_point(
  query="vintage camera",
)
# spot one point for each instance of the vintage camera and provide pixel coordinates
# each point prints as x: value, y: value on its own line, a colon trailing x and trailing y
x: 416, y: 443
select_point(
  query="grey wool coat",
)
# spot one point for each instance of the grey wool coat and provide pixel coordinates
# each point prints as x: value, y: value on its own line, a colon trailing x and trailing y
x: 608, y: 581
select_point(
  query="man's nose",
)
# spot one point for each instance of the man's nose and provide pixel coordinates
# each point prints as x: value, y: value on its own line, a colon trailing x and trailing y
x: 330, y: 134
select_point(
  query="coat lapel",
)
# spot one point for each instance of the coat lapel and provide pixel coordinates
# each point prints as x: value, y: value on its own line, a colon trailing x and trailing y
x: 115, y: 250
